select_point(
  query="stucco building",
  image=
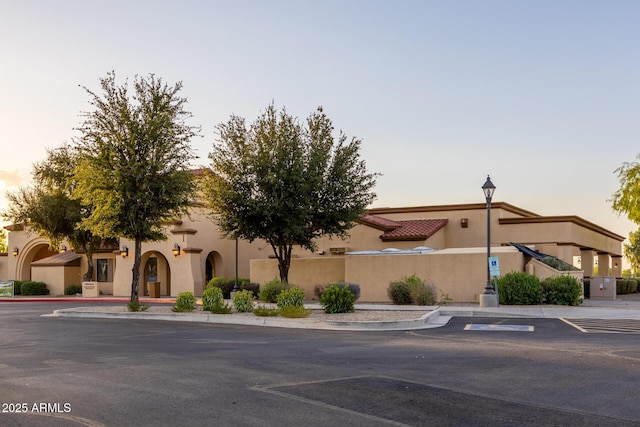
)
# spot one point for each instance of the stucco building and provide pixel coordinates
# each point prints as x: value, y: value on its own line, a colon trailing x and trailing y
x: 449, y: 242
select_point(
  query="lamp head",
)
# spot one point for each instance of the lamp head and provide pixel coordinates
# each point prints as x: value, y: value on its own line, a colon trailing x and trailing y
x: 488, y: 188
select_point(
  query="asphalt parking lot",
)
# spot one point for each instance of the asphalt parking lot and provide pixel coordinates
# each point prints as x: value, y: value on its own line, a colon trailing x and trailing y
x: 133, y: 372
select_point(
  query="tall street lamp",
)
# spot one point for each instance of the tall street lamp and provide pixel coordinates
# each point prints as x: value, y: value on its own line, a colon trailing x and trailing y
x: 236, y: 286
x: 488, y: 298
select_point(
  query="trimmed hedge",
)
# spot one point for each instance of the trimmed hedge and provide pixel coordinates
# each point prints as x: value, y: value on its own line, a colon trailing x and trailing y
x: 17, y: 287
x: 519, y: 288
x: 33, y: 288
x: 562, y: 290
x: 626, y: 286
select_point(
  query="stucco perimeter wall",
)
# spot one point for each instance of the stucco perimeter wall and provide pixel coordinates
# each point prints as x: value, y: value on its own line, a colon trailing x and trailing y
x: 459, y: 273
x: 543, y: 271
x: 304, y: 272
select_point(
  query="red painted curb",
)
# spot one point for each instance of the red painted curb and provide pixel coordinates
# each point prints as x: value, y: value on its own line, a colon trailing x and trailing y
x: 87, y: 300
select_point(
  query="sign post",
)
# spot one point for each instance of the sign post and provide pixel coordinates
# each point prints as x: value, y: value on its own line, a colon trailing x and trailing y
x: 494, y: 271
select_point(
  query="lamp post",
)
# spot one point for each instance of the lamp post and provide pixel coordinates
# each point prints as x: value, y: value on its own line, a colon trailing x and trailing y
x: 488, y: 298
x: 236, y: 286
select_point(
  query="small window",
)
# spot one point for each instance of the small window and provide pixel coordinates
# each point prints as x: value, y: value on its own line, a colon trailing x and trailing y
x: 102, y: 270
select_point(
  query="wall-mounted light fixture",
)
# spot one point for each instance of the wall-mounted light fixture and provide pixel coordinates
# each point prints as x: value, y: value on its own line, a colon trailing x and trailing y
x: 176, y: 249
x: 464, y: 222
x: 16, y: 251
x: 63, y: 248
x: 124, y: 252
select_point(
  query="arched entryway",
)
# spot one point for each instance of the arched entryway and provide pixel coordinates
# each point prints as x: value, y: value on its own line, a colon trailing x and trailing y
x: 213, y: 267
x: 154, y: 267
x: 34, y: 251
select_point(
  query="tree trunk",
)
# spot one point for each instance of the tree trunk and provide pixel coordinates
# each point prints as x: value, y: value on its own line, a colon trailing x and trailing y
x: 283, y: 255
x: 88, y: 276
x: 137, y: 259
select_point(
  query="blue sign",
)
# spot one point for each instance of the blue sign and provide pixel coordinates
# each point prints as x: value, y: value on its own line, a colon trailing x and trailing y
x: 494, y: 266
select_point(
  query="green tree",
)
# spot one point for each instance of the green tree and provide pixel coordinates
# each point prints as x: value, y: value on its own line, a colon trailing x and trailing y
x: 285, y: 182
x: 47, y: 208
x: 632, y: 251
x: 135, y: 156
x: 627, y: 199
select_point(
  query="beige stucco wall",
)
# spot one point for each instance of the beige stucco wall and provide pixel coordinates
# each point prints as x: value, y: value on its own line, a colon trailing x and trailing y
x: 31, y: 248
x: 198, y: 238
x: 305, y: 273
x: 459, y: 273
x: 56, y: 277
x: 543, y: 271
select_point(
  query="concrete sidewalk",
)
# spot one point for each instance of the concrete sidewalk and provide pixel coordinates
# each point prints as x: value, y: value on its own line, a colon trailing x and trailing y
x: 625, y: 307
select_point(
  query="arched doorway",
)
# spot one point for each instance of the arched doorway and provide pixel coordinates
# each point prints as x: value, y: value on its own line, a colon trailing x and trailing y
x: 34, y: 251
x: 154, y: 267
x: 213, y: 266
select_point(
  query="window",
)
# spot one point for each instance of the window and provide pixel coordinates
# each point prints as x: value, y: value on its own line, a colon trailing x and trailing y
x: 103, y: 270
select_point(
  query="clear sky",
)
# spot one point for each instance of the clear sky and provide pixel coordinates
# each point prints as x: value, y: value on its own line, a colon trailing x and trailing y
x: 544, y: 95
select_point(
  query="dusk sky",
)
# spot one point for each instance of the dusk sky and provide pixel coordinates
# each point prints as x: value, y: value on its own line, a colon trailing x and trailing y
x: 542, y: 95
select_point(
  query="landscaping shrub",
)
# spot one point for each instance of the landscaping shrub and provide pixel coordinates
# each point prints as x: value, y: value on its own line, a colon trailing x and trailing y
x: 17, y: 287
x: 558, y: 264
x: 621, y: 287
x: 73, y: 289
x: 264, y: 311
x: 33, y: 288
x: 210, y: 297
x: 399, y: 292
x: 337, y: 299
x: 220, y: 308
x: 519, y: 288
x: 632, y: 286
x: 412, y: 290
x: 243, y: 301
x: 294, y: 311
x: 292, y: 297
x: 423, y: 293
x: 562, y: 290
x: 353, y: 288
x: 270, y: 291
x: 185, y: 301
x: 227, y: 285
x: 136, y: 306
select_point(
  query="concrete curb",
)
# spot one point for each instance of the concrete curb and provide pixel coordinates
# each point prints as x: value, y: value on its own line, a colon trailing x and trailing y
x: 429, y: 320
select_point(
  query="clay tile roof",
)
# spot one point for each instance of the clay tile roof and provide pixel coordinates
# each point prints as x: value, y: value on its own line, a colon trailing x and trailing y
x: 416, y: 229
x: 379, y: 222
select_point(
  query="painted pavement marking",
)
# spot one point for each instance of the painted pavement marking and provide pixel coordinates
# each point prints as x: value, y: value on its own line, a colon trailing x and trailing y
x: 491, y: 327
